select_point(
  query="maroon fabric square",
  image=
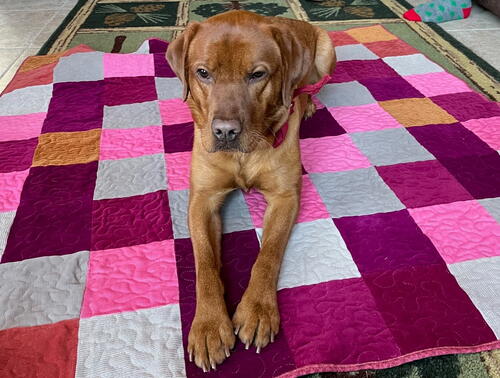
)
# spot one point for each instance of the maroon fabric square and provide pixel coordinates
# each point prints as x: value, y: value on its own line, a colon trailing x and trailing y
x: 334, y: 322
x: 162, y: 68
x: 121, y: 222
x: 129, y: 90
x: 54, y: 215
x: 390, y: 88
x: 340, y: 74
x: 157, y: 46
x: 17, y: 155
x: 75, y: 106
x: 178, y: 138
x: 321, y: 124
x: 369, y: 69
x: 423, y: 183
x: 467, y: 105
x: 386, y: 241
x: 426, y: 308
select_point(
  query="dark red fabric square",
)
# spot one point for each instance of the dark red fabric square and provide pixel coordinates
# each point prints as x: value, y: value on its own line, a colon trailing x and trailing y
x: 17, y: 155
x: 321, y: 124
x: 129, y: 90
x: 178, y: 138
x: 467, y: 105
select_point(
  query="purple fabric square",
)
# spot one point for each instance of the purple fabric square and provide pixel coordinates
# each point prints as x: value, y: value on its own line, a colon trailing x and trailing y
x: 54, y: 214
x: 480, y: 175
x: 390, y: 88
x: 75, y: 106
x: 157, y: 46
x: 17, y: 155
x: 426, y: 308
x: 129, y: 90
x: 340, y: 74
x: 121, y: 222
x: 450, y: 141
x: 423, y: 183
x: 321, y: 124
x: 367, y: 69
x: 386, y: 241
x: 334, y: 322
x: 178, y: 138
x: 467, y: 105
x: 162, y: 68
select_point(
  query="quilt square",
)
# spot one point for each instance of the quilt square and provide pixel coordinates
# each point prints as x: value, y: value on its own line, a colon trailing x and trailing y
x: 69, y: 68
x: 487, y: 129
x: 235, y: 214
x: 415, y: 64
x: 12, y: 185
x: 423, y: 183
x: 53, y: 286
x: 390, y: 146
x: 129, y: 90
x: 168, y: 88
x: 331, y: 154
x: 492, y: 205
x: 54, y: 215
x: 125, y: 65
x: 149, y: 342
x: 345, y: 94
x: 178, y: 138
x: 386, y: 242
x: 27, y: 350
x: 390, y: 88
x: 424, y: 307
x: 460, y: 231
x: 340, y: 74
x: 67, y: 148
x: 368, y: 34
x: 479, y: 280
x: 394, y: 47
x: 75, y: 106
x: 437, y: 83
x: 18, y: 127
x: 131, y: 278
x: 131, y: 143
x: 354, y: 52
x: 132, y: 115
x: 175, y: 111
x: 341, y: 38
x: 315, y: 253
x: 467, y: 105
x: 162, y: 68
x: 416, y: 112
x: 122, y: 222
x: 321, y: 124
x: 178, y: 170
x: 17, y: 155
x: 28, y: 100
x: 179, y: 203
x: 369, y: 69
x: 130, y: 177
x: 351, y: 333
x: 358, y: 192
x: 6, y: 219
x: 363, y: 118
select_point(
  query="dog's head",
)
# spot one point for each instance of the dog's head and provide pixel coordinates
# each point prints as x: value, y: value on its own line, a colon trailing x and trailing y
x: 239, y: 71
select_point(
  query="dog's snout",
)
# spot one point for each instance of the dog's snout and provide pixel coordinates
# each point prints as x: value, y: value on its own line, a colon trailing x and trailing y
x: 226, y: 130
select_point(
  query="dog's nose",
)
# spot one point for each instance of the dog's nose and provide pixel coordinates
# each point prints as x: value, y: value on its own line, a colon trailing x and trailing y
x: 226, y: 130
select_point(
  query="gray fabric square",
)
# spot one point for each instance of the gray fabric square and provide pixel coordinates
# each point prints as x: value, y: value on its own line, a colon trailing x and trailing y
x: 168, y: 88
x: 6, y: 220
x: 354, y: 52
x: 492, y: 205
x: 26, y: 100
x: 86, y: 66
x: 479, y: 279
x: 143, y: 343
x: 179, y: 201
x: 131, y: 116
x: 345, y: 94
x: 359, y: 192
x: 130, y: 177
x: 235, y: 214
x: 415, y: 64
x: 42, y: 290
x: 390, y: 146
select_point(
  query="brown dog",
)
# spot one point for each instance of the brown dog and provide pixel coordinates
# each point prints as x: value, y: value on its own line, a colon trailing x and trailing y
x: 239, y: 72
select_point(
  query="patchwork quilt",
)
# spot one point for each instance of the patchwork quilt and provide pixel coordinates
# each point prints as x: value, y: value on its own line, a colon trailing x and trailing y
x: 395, y: 255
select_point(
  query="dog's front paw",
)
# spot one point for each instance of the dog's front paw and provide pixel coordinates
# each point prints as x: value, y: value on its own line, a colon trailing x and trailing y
x: 257, y: 319
x: 210, y: 339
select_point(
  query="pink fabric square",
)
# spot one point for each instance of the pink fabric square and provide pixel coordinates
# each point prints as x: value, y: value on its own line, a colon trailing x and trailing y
x: 311, y: 205
x: 175, y: 111
x: 363, y: 118
x: 178, y: 170
x: 331, y: 154
x: 488, y: 129
x: 129, y: 143
x: 460, y: 231
x: 437, y: 83
x: 125, y: 65
x: 131, y: 278
x: 19, y: 127
x: 11, y: 184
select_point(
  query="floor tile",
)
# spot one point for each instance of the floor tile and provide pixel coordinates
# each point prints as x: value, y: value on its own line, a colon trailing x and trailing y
x: 482, y: 42
x: 20, y: 34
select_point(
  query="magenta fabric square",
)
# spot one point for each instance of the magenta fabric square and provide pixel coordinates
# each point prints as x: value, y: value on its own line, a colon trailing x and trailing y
x: 122, y: 222
x: 423, y: 183
x: 157, y: 46
x: 12, y: 185
x: 125, y: 65
x: 54, y: 214
x: 340, y: 74
x: 129, y: 90
x: 367, y: 69
x: 390, y: 88
x: 17, y: 155
x: 467, y: 105
x: 425, y: 308
x: 334, y: 322
x: 178, y: 138
x: 162, y: 68
x: 319, y: 125
x: 488, y: 129
x: 20, y: 127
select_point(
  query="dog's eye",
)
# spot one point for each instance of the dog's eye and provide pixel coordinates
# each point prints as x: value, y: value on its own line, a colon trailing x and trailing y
x: 257, y: 75
x: 203, y: 73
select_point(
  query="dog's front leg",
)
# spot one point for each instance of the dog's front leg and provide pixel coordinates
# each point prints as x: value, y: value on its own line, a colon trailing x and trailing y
x: 211, y: 335
x: 257, y: 318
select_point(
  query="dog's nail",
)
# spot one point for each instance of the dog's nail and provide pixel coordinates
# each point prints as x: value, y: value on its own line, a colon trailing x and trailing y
x: 272, y: 337
x: 213, y: 365
x: 190, y: 357
x: 247, y: 345
x: 237, y: 330
x: 204, y: 369
x: 258, y: 349
x: 227, y: 352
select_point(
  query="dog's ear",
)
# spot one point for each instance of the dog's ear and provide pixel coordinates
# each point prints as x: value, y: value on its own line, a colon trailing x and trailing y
x: 177, y: 55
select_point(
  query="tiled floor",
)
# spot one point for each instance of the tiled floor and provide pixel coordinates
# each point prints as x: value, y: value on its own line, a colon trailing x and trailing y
x: 26, y: 24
